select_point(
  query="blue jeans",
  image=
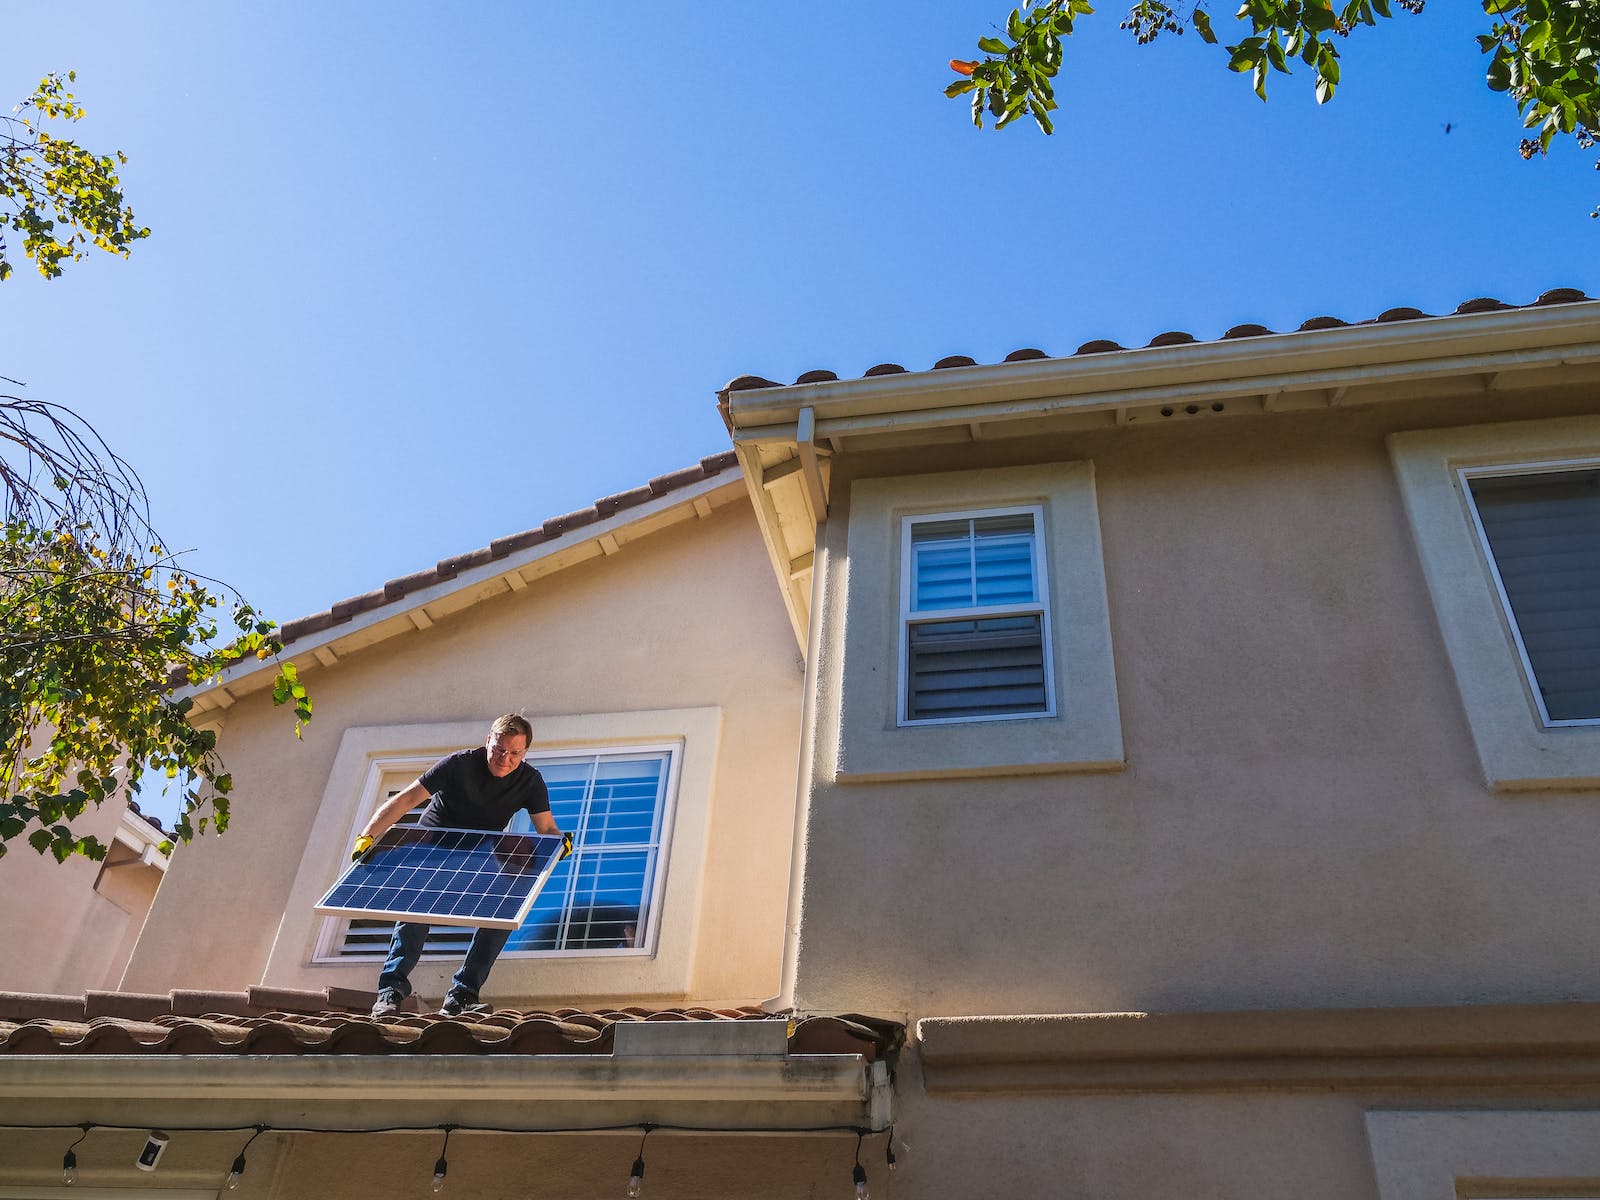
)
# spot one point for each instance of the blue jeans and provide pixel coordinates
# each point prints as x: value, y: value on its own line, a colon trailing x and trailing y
x: 405, y: 948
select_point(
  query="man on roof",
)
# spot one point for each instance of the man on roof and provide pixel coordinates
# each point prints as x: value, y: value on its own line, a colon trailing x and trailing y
x: 480, y: 788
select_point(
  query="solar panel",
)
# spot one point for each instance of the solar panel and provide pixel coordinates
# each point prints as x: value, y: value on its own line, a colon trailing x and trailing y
x: 445, y: 876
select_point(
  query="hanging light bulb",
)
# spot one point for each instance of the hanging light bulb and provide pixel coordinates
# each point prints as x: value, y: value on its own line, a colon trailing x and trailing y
x: 442, y: 1167
x: 237, y: 1171
x: 859, y: 1175
x: 69, y: 1160
x: 636, y: 1175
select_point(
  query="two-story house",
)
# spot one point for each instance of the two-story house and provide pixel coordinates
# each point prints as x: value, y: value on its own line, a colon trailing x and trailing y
x: 1157, y: 771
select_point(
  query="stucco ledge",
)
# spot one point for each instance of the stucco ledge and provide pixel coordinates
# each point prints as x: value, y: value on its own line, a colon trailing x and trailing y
x: 1493, y: 1045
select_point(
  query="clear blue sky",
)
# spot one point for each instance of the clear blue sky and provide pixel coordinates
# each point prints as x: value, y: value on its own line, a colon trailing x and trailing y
x: 422, y: 274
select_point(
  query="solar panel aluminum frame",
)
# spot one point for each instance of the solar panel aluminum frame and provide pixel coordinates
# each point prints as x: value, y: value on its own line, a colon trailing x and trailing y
x: 408, y: 862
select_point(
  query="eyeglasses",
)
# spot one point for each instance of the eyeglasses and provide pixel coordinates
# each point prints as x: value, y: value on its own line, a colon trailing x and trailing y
x: 497, y: 750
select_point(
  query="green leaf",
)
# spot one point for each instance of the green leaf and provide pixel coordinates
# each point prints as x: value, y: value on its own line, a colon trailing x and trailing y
x: 993, y: 45
x: 1202, y: 25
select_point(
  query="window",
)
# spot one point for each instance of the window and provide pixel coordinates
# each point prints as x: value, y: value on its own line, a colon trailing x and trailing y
x: 602, y: 897
x: 974, y: 618
x: 1506, y: 525
x: 1541, y: 533
x: 976, y: 638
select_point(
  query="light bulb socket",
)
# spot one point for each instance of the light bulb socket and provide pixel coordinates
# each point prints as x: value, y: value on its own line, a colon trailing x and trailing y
x: 69, y: 1168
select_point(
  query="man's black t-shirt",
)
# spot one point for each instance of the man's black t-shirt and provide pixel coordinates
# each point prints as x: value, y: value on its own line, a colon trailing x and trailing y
x: 466, y: 796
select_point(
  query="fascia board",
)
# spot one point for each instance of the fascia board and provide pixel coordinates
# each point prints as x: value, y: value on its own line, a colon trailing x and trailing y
x: 1469, y: 342
x: 354, y: 1091
x: 303, y: 649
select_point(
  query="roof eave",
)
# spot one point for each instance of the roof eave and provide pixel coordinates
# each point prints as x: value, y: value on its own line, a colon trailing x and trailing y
x: 1456, y: 344
x: 782, y: 433
x: 411, y: 612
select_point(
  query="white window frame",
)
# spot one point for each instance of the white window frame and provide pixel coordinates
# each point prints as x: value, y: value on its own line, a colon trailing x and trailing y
x: 331, y: 936
x: 1517, y: 749
x: 1040, y: 605
x: 1520, y: 470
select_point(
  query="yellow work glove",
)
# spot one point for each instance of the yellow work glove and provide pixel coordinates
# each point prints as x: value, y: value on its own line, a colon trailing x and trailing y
x: 566, y: 845
x: 363, y: 844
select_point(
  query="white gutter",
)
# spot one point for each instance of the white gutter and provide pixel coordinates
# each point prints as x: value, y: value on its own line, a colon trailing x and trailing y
x: 373, y: 1091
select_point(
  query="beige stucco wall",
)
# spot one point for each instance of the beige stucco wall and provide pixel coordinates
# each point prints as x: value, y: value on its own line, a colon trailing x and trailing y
x: 682, y: 619
x: 1302, y: 820
x: 62, y: 935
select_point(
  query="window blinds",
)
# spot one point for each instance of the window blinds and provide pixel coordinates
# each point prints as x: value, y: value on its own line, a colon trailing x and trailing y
x: 1543, y: 534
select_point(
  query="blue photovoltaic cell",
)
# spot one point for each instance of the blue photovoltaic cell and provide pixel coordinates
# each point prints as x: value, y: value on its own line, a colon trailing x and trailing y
x: 447, y: 877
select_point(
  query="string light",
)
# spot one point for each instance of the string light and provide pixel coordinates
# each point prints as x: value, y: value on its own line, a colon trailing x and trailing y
x: 69, y: 1160
x: 859, y: 1175
x: 442, y: 1167
x: 238, y: 1164
x: 636, y: 1176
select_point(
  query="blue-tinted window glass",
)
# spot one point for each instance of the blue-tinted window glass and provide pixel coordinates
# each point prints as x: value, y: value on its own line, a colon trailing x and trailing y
x: 972, y: 562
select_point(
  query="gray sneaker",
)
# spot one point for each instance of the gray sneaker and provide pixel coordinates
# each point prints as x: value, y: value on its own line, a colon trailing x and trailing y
x: 388, y: 1005
x: 455, y: 1003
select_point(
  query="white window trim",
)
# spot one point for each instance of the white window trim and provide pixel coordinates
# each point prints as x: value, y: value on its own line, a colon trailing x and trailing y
x: 863, y: 740
x: 1520, y: 470
x: 1517, y: 750
x: 330, y: 937
x: 1040, y: 605
x: 356, y: 773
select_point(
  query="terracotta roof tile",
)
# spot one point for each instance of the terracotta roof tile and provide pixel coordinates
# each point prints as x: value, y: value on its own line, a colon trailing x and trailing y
x: 125, y: 1005
x: 1400, y: 314
x: 607, y: 505
x: 817, y: 377
x: 1246, y: 331
x: 1560, y: 296
x: 28, y: 1006
x: 1028, y: 354
x: 1173, y: 337
x: 887, y: 368
x: 1322, y: 323
x: 279, y: 1022
x: 188, y: 1003
x: 550, y: 529
x: 1098, y: 346
x: 954, y: 360
x: 1482, y: 304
